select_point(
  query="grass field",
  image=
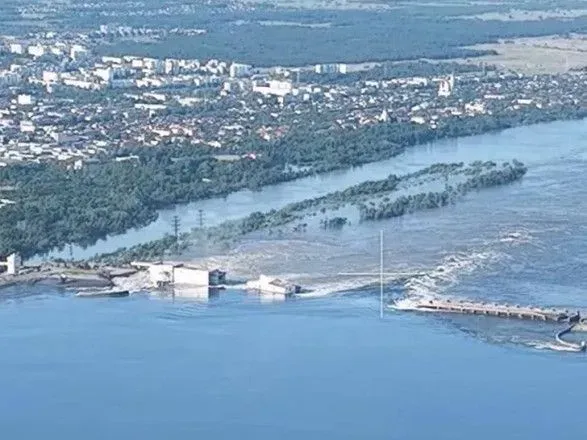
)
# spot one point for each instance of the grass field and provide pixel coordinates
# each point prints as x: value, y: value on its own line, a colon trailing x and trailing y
x: 554, y: 54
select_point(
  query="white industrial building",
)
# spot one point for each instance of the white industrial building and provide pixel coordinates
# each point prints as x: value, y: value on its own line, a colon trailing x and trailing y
x: 111, y: 60
x: 273, y: 88
x: 266, y: 284
x: 80, y: 84
x: 170, y: 67
x: 154, y: 65
x: 137, y: 63
x: 239, y: 70
x: 10, y: 264
x: 330, y: 68
x: 164, y: 274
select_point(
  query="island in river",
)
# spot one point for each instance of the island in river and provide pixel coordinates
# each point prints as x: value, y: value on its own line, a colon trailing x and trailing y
x: 433, y: 187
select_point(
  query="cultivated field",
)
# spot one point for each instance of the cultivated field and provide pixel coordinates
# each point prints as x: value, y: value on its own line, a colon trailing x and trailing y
x: 554, y: 54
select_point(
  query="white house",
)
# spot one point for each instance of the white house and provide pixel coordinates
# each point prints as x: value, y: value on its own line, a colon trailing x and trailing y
x: 24, y: 100
x: 36, y: 50
x: 16, y: 48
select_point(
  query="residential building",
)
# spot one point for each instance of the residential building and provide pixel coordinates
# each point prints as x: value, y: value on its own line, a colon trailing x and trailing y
x: 240, y: 70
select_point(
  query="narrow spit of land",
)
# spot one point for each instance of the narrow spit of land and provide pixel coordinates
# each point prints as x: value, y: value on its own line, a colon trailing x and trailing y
x: 394, y: 196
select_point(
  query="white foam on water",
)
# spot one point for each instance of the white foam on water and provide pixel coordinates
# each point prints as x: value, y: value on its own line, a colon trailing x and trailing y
x: 316, y: 265
x: 326, y: 288
x: 544, y: 345
x: 134, y: 283
x: 453, y: 268
x: 516, y: 237
x: 405, y: 304
x: 448, y: 273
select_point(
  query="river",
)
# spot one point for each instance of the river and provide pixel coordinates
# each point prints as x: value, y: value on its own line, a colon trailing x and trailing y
x: 236, y: 368
x: 325, y: 365
x: 524, y: 143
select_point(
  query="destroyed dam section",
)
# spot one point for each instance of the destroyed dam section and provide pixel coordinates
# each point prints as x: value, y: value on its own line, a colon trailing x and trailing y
x: 573, y: 320
x: 499, y: 310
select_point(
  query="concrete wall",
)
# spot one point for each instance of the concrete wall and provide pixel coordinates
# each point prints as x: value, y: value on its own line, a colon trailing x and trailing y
x: 273, y: 285
x: 191, y: 276
x: 179, y: 274
x: 14, y: 262
x: 161, y: 273
x: 11, y: 264
x: 201, y: 293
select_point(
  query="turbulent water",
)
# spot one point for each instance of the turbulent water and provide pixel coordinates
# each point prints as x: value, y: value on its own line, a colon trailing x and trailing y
x: 323, y: 365
x: 524, y: 243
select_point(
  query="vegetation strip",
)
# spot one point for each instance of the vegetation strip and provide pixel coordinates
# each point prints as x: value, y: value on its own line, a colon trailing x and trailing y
x: 480, y: 175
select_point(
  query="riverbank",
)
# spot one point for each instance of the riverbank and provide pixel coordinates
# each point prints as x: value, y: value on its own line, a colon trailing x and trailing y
x: 153, y: 183
x: 66, y: 276
x: 529, y: 144
x: 442, y: 184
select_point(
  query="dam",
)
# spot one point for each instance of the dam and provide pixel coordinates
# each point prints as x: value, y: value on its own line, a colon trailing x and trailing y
x: 499, y: 310
x: 576, y: 323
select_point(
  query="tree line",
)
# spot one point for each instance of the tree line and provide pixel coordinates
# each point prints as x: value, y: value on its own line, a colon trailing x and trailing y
x: 431, y: 200
x: 483, y: 174
x: 55, y: 207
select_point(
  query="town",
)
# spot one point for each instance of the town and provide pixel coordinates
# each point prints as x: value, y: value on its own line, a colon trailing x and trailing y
x: 60, y: 102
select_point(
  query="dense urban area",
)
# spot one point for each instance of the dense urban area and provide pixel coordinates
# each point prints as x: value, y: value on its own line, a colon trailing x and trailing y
x: 94, y: 140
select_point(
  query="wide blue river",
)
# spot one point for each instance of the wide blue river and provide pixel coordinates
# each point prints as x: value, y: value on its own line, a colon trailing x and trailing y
x: 235, y: 366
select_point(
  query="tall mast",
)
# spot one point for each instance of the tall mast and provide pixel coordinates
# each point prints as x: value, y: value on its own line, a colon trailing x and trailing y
x: 381, y: 274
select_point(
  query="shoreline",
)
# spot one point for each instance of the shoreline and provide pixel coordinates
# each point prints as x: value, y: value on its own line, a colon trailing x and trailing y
x: 543, y: 118
x: 479, y: 176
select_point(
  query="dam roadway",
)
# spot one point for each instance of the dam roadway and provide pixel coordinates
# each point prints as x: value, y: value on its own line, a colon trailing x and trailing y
x: 510, y: 311
x: 500, y: 310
